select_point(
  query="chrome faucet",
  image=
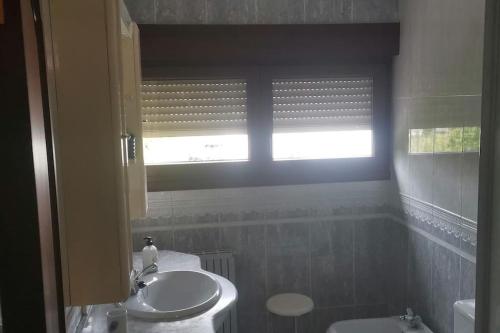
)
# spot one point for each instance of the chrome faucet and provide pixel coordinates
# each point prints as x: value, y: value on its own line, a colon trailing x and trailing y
x: 138, y: 284
x: 413, y: 320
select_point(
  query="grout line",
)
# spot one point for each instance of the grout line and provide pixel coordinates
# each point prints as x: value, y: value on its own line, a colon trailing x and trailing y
x: 304, y: 18
x: 155, y: 11
x: 355, y: 300
x: 205, y: 18
x: 431, y: 281
x: 309, y: 237
x: 256, y: 3
x: 459, y: 278
x: 352, y: 11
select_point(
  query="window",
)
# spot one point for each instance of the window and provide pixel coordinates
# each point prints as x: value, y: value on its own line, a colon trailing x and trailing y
x: 444, y: 140
x: 322, y: 118
x: 252, y: 126
x: 194, y: 121
x: 299, y: 104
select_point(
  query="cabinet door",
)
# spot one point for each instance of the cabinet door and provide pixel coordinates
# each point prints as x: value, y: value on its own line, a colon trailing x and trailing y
x: 84, y: 62
x: 131, y: 87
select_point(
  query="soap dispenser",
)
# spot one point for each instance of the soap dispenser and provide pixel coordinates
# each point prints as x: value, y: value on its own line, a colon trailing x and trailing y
x: 149, y: 253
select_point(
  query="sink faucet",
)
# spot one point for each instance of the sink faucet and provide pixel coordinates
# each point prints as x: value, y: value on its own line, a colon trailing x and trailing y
x: 137, y: 284
x: 413, y: 320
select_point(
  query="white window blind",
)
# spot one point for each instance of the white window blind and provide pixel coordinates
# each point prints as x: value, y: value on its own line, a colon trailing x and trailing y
x: 193, y: 107
x: 301, y: 105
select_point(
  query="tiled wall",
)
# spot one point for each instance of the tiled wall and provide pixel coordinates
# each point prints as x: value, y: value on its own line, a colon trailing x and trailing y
x: 341, y: 243
x: 437, y: 277
x: 342, y: 264
x: 345, y: 247
x: 262, y: 11
x: 438, y: 85
x: 335, y: 243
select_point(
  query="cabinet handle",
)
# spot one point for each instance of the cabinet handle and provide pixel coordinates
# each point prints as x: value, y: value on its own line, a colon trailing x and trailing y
x: 131, y: 146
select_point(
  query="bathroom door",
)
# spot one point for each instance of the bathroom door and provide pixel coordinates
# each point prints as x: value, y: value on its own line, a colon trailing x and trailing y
x: 31, y: 293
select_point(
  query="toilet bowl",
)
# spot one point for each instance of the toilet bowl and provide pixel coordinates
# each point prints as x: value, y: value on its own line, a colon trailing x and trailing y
x: 464, y: 315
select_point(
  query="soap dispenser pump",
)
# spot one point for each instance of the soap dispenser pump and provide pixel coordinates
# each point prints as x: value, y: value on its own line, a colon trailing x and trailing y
x: 149, y: 253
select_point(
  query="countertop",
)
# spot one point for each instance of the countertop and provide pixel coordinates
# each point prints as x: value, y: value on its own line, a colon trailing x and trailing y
x: 203, y: 323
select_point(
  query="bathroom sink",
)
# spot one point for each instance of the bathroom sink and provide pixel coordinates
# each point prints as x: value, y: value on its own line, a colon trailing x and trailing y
x: 174, y: 295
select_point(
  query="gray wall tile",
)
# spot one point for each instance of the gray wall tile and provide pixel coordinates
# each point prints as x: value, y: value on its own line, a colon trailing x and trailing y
x: 181, y: 11
x: 375, y: 10
x: 251, y: 282
x: 421, y: 173
x: 469, y: 188
x: 279, y: 324
x: 262, y: 11
x: 332, y: 280
x: 328, y: 11
x: 231, y: 11
x: 166, y: 12
x: 420, y: 253
x: 280, y: 11
x: 397, y: 272
x: 143, y: 11
x: 370, y: 260
x: 332, y: 238
x: 248, y: 246
x: 468, y: 247
x: 252, y: 322
x: 446, y: 184
x: 287, y: 239
x: 332, y: 264
x: 290, y: 273
x: 197, y: 240
x: 445, y: 288
x: 467, y: 279
x: 371, y: 311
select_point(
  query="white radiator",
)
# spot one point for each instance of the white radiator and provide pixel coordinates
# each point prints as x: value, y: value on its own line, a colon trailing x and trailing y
x: 222, y: 263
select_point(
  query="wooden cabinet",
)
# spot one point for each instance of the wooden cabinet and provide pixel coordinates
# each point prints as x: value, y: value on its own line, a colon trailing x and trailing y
x: 88, y: 63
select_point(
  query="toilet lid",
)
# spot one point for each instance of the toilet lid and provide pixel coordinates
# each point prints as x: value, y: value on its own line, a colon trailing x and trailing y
x: 290, y: 304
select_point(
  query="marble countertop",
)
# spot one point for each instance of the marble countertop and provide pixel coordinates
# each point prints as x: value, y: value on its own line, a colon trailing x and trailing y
x: 203, y: 323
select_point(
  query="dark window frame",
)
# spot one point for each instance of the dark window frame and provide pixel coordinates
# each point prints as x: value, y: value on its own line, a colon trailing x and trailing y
x: 260, y: 169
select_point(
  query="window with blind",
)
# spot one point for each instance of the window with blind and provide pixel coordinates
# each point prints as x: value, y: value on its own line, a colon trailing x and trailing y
x: 193, y: 121
x: 322, y: 118
x: 266, y: 125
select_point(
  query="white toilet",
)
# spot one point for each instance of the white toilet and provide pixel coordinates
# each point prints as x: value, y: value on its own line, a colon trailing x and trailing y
x: 464, y: 316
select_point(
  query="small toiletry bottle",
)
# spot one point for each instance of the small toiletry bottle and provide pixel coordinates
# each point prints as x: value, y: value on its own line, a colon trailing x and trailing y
x: 149, y: 253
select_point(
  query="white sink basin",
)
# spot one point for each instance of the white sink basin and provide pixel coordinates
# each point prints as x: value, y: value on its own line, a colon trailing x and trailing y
x: 174, y: 295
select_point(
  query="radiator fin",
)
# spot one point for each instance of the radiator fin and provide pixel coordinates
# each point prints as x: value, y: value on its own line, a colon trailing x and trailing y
x: 222, y: 263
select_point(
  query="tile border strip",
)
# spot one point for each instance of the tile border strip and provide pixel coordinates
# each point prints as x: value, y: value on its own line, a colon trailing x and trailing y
x: 439, y: 218
x: 437, y: 240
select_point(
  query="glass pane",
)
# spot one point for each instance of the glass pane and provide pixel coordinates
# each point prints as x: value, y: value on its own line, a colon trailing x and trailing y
x: 322, y: 145
x: 195, y: 149
x: 421, y: 140
x: 472, y: 138
x: 322, y: 118
x: 448, y: 140
x: 194, y: 121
